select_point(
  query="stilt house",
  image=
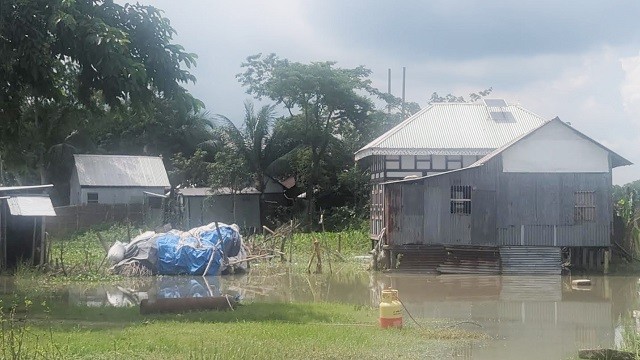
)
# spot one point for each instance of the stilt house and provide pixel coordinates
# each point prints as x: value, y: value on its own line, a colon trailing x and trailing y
x: 540, y: 200
x: 516, y: 209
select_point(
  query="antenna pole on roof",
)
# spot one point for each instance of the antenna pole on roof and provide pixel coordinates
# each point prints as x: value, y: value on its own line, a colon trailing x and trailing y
x: 404, y: 73
x: 389, y: 89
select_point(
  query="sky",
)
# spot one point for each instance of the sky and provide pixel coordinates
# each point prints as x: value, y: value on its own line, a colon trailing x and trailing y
x: 576, y: 59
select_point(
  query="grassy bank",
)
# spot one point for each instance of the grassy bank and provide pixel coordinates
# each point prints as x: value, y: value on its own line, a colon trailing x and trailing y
x: 257, y: 330
x: 81, y: 256
x: 41, y: 320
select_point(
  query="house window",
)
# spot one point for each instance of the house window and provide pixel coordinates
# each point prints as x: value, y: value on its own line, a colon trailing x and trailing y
x: 454, y: 162
x: 392, y: 162
x: 423, y: 162
x: 585, y: 210
x: 461, y: 200
x: 407, y: 162
x: 92, y: 198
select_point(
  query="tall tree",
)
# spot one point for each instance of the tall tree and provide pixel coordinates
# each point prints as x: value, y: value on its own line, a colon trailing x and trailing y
x: 119, y: 53
x: 59, y: 59
x: 319, y: 94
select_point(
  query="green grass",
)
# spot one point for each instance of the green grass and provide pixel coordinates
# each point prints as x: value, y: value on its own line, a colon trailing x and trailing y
x: 299, y: 247
x: 252, y: 331
x: 631, y: 339
x: 81, y: 257
x: 47, y: 326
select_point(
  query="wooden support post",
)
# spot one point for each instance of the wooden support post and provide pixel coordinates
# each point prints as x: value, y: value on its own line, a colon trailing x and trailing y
x: 43, y: 242
x: 392, y: 259
x: 315, y: 253
x: 607, y: 257
x: 316, y: 247
x: 33, y: 242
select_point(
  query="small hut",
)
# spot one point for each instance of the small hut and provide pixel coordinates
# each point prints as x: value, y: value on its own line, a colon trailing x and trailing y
x: 200, y: 206
x: 23, y: 213
x: 117, y: 179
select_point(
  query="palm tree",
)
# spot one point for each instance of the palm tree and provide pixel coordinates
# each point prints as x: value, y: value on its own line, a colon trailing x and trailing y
x: 253, y: 140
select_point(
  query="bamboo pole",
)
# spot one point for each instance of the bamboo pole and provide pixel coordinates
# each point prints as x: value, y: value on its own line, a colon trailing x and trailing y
x: 213, y: 254
x: 103, y: 242
x: 316, y: 246
x: 264, y: 228
x: 251, y: 258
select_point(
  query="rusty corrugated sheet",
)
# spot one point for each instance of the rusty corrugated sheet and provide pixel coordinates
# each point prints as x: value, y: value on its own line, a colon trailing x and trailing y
x: 121, y: 170
x: 31, y: 206
x: 421, y: 258
x: 471, y: 260
x: 449, y: 259
x: 456, y: 128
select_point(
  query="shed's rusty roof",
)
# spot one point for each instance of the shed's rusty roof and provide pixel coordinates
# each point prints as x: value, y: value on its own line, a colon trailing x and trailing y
x: 121, y: 171
x: 454, y: 129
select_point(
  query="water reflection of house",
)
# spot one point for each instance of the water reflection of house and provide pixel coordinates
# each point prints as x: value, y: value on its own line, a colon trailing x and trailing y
x: 527, y: 317
x: 23, y: 211
x: 517, y: 207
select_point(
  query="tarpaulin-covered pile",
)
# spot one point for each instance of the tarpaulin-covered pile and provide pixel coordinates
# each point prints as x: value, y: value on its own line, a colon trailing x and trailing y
x: 206, y: 248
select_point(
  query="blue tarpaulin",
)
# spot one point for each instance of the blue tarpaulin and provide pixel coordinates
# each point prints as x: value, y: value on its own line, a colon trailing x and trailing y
x: 186, y: 254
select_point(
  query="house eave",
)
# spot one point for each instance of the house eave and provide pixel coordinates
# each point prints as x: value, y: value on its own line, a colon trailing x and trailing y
x: 425, y: 151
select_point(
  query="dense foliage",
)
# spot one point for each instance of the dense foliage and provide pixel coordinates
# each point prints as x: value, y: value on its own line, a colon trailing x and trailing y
x: 90, y: 76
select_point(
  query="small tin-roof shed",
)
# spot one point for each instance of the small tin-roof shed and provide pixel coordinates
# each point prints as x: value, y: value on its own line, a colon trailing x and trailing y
x: 23, y: 210
x: 116, y: 179
x: 200, y: 206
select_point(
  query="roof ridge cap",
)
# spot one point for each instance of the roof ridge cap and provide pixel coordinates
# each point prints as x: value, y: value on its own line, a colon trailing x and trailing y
x: 528, y: 111
x: 395, y: 129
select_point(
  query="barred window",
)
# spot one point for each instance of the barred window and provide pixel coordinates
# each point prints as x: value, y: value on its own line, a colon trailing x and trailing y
x: 461, y: 200
x: 585, y: 209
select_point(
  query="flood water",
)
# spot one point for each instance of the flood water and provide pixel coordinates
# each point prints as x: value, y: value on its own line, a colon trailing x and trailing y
x: 524, y: 317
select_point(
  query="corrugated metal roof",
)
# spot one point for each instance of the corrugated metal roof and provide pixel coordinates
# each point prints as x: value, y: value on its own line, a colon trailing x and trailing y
x: 206, y: 191
x: 452, y: 128
x: 31, y: 206
x: 121, y: 170
x: 25, y: 188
